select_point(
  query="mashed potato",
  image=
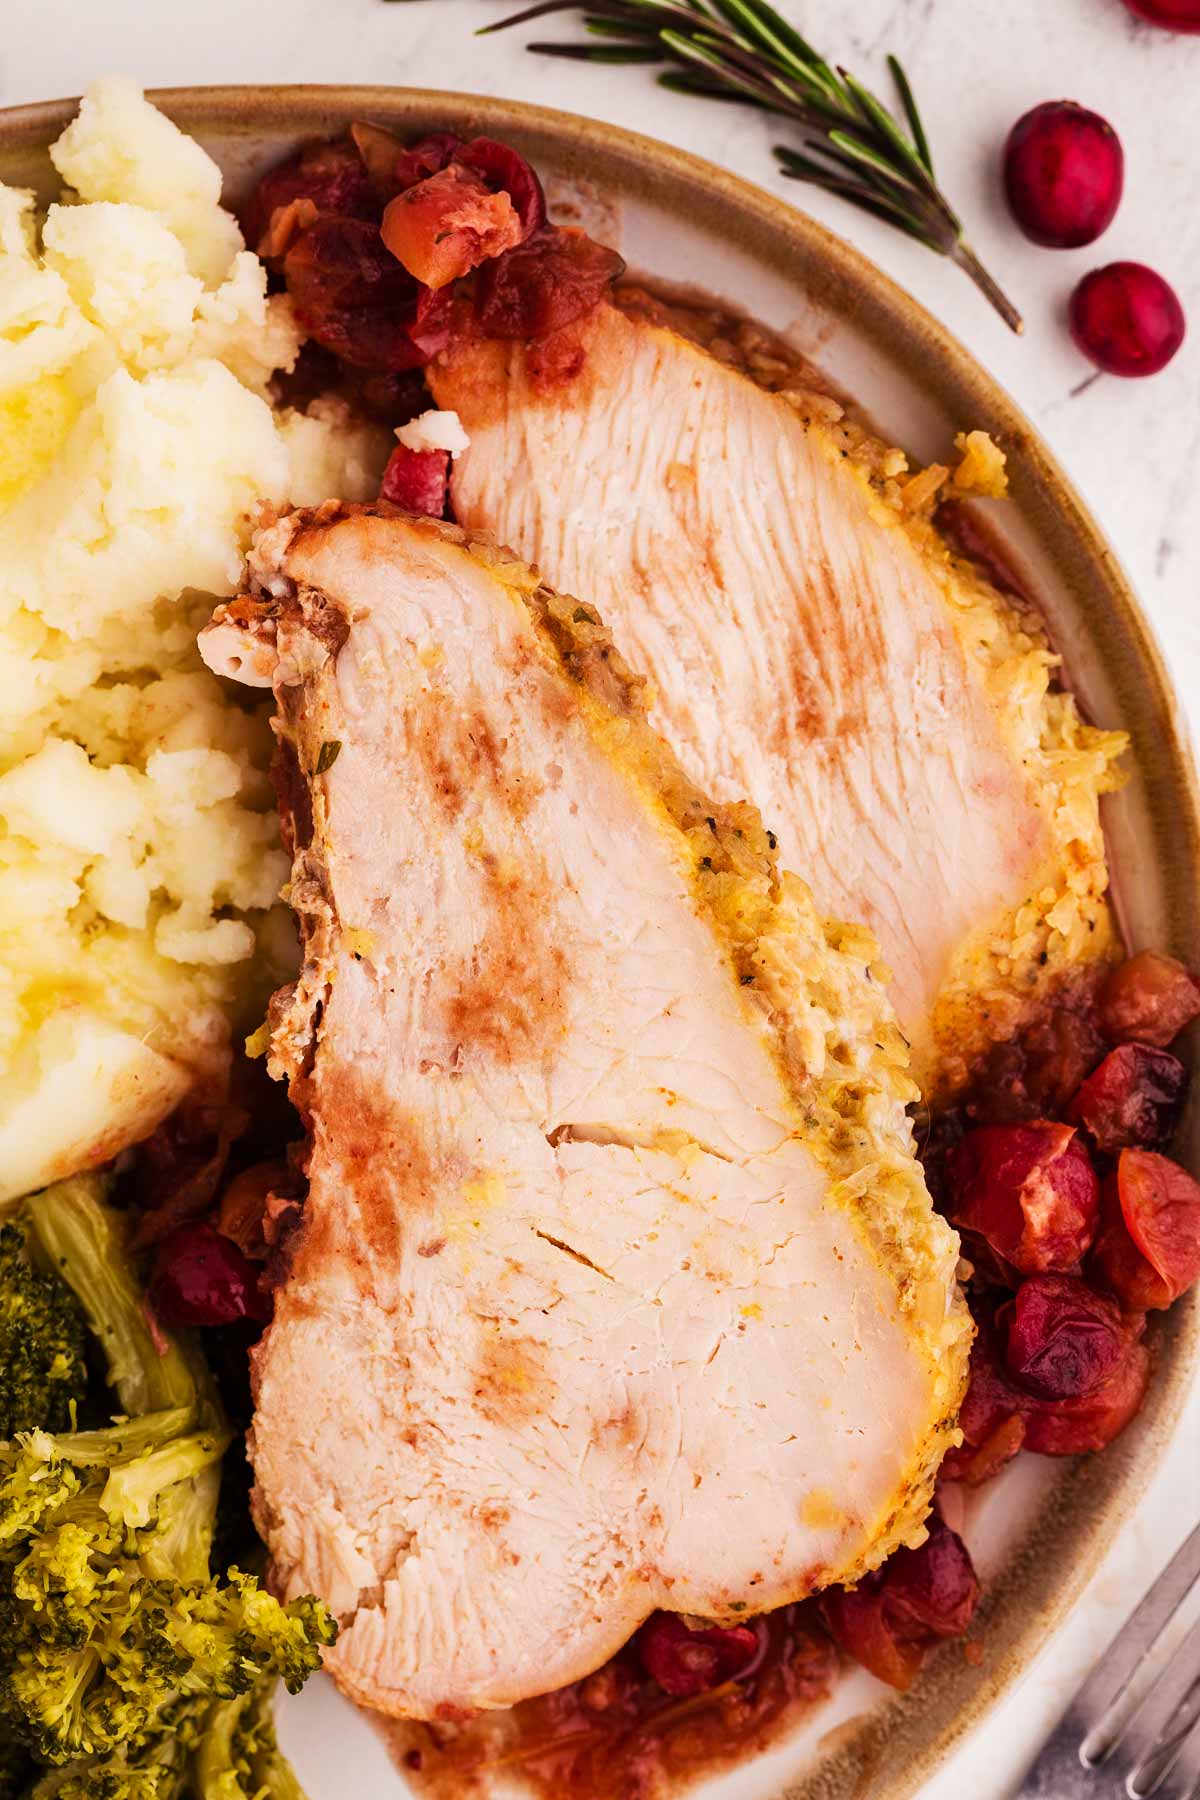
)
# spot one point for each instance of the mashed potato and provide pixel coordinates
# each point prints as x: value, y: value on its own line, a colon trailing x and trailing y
x: 139, y: 859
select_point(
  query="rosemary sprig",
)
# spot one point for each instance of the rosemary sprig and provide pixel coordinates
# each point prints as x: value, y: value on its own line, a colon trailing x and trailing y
x: 851, y: 144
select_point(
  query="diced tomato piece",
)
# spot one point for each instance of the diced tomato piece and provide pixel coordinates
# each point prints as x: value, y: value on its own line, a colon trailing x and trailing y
x: 1133, y: 1098
x: 1150, y: 998
x: 1148, y: 1250
x: 417, y: 480
x: 892, y: 1617
x: 448, y: 224
x: 1062, y: 1340
x: 329, y: 176
x: 1028, y: 1191
x: 1071, y: 1427
x: 686, y: 1662
x: 552, y: 279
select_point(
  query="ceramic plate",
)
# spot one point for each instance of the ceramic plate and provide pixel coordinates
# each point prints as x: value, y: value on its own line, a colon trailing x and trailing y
x: 1039, y: 1531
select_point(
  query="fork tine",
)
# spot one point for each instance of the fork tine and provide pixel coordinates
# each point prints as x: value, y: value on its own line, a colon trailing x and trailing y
x: 1076, y: 1744
x: 1160, y: 1717
x: 1183, y: 1778
x: 1131, y: 1645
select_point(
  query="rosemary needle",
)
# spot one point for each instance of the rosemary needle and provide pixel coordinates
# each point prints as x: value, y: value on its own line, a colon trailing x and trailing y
x: 850, y: 143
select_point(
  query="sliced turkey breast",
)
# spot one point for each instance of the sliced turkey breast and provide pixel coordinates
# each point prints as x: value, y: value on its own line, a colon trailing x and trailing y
x: 617, y: 1285
x: 812, y: 644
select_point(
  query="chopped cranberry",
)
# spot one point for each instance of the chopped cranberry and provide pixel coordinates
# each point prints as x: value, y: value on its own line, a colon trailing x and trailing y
x: 431, y: 325
x: 992, y: 1415
x: 1133, y: 1098
x: 381, y: 152
x: 202, y: 1278
x: 416, y: 480
x: 329, y: 175
x: 1071, y: 1427
x: 179, y: 1167
x: 1150, y: 998
x: 1034, y: 1075
x: 245, y: 1205
x: 1029, y: 1192
x: 549, y: 281
x: 351, y: 296
x: 686, y: 1662
x: 1062, y: 1339
x: 891, y: 1618
x: 507, y: 172
x: 1148, y: 1250
x: 429, y: 156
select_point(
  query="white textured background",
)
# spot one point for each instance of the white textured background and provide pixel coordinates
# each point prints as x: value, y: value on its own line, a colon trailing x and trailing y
x: 1133, y: 447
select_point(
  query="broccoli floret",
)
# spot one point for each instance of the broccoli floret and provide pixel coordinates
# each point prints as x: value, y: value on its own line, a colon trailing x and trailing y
x: 240, y: 1753
x: 43, y: 1343
x: 127, y: 1671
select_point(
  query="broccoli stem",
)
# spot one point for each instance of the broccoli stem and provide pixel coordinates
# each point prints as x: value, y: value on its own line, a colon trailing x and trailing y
x: 130, y: 1495
x: 84, y: 1242
x: 181, y: 1548
x: 116, y: 1443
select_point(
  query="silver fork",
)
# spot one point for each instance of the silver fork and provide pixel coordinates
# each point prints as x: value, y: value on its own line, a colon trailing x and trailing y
x: 1113, y: 1740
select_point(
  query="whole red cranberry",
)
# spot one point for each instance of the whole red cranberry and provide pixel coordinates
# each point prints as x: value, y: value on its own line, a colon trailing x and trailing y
x: 202, y: 1278
x: 1127, y: 319
x: 1149, y: 997
x: 1133, y: 1098
x: 1062, y: 1339
x: 686, y: 1662
x: 1029, y: 1192
x: 1148, y: 1248
x: 1063, y: 173
x: 892, y: 1616
x: 1172, y: 15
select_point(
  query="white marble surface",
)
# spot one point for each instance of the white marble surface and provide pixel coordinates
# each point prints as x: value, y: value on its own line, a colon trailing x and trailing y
x: 1133, y: 448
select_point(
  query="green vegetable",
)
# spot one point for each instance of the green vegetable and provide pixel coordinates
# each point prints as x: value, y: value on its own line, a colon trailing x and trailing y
x: 126, y: 1671
x: 43, y: 1344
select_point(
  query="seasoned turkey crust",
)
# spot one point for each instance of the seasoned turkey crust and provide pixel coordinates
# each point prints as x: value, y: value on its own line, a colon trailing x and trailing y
x: 814, y: 645
x: 617, y: 1284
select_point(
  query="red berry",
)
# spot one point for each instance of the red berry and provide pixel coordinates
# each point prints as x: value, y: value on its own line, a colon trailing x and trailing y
x: 1133, y: 1098
x: 686, y: 1662
x: 1063, y: 174
x: 416, y: 480
x: 1172, y: 15
x: 1150, y: 998
x: 1127, y: 319
x: 1062, y: 1339
x: 202, y: 1278
x: 892, y: 1616
x: 1028, y: 1191
x: 1148, y: 1249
